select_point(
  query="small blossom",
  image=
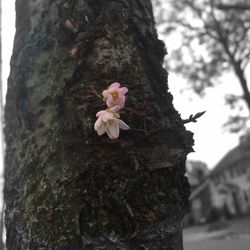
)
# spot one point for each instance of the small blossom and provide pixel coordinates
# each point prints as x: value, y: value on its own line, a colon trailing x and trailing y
x: 115, y: 95
x: 108, y: 122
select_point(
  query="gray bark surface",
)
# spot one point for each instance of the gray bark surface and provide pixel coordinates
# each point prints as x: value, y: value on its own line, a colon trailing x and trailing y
x: 66, y: 187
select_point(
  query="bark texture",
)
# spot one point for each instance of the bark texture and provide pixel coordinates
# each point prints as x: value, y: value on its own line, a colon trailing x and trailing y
x: 67, y: 188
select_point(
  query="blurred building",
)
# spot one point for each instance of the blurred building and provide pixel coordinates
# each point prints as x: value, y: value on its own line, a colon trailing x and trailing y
x: 200, y: 204
x: 225, y: 191
x: 197, y: 173
x: 230, y: 180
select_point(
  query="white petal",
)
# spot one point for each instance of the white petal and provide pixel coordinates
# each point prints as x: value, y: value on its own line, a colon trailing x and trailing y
x: 98, y: 124
x: 122, y: 124
x: 102, y: 129
x: 113, y: 130
x: 100, y: 113
x: 108, y: 133
x: 105, y: 93
x: 107, y: 116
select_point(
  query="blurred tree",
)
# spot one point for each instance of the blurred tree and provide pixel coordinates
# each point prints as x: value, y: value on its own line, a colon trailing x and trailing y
x: 245, y: 138
x: 65, y: 187
x: 214, y: 38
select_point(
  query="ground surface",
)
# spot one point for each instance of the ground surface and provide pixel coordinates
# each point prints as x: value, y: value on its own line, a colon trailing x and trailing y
x: 230, y: 244
x: 232, y: 235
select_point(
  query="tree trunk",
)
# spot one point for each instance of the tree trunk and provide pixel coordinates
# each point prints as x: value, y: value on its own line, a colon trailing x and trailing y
x: 235, y: 64
x: 66, y: 187
x: 243, y: 83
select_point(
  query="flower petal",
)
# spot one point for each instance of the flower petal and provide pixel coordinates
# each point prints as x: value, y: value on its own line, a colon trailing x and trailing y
x: 107, y: 116
x: 115, y: 109
x: 113, y: 130
x: 109, y: 102
x: 100, y: 113
x: 122, y: 124
x: 121, y: 101
x: 105, y: 93
x: 123, y: 90
x: 102, y: 129
x: 109, y: 133
x: 98, y: 124
x: 114, y: 85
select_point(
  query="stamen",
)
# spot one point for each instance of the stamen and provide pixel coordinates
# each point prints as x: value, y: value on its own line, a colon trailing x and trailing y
x: 115, y: 95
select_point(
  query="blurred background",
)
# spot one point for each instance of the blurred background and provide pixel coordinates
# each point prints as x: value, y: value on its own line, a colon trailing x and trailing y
x: 208, y: 45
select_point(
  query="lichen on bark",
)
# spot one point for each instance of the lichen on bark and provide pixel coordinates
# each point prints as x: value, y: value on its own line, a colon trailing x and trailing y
x: 67, y: 188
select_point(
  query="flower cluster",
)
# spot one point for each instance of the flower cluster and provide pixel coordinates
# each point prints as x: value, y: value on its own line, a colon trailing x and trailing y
x: 108, y: 120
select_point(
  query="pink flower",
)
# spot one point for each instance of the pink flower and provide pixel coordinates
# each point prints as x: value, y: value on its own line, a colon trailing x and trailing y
x: 115, y: 95
x: 109, y: 123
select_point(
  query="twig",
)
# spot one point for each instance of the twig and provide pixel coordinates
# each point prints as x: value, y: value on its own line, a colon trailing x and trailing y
x: 193, y: 118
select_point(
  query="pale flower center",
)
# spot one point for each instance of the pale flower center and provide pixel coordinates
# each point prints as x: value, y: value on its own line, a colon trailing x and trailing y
x: 109, y: 122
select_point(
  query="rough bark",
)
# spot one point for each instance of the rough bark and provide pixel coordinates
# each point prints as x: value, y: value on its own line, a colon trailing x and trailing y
x: 67, y: 188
